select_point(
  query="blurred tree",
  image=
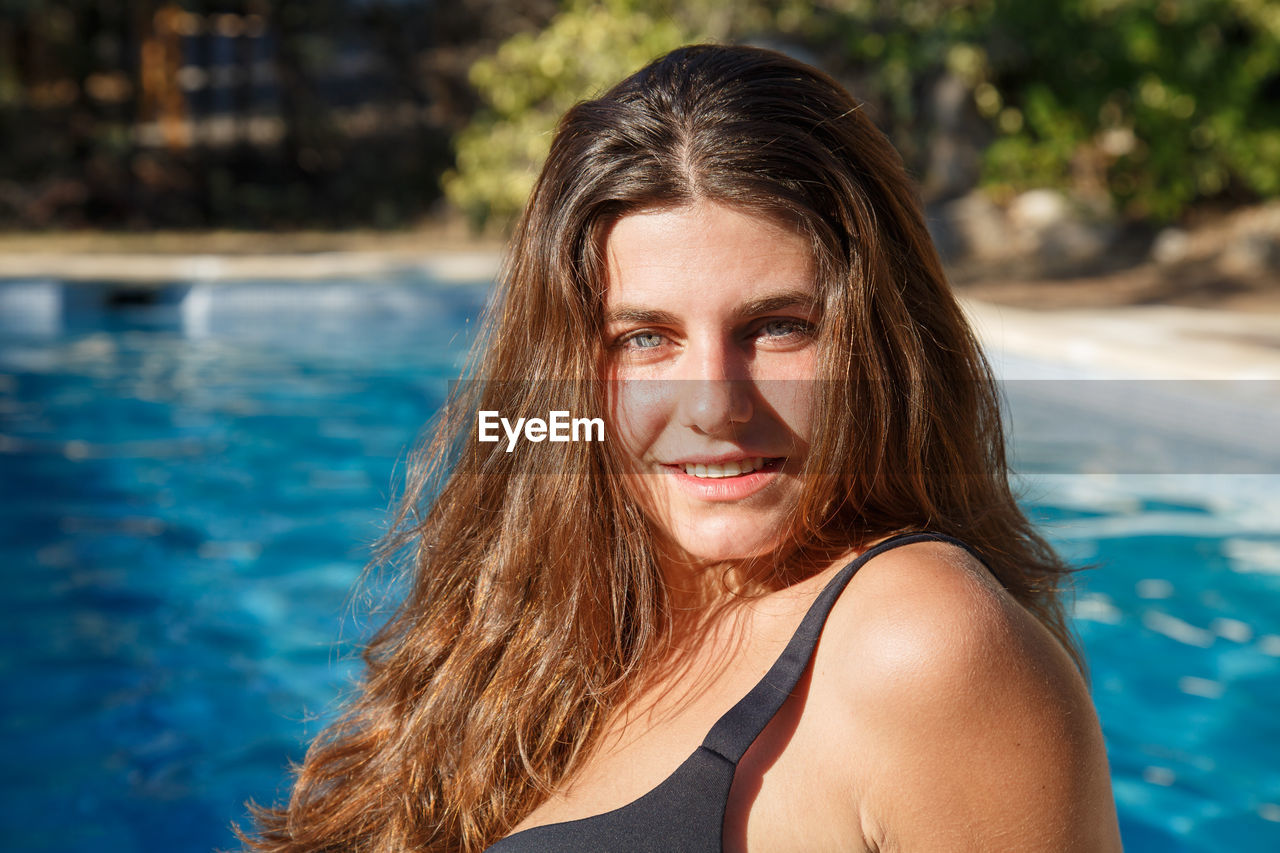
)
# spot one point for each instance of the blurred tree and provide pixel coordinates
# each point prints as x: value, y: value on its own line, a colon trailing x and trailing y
x: 242, y: 113
x: 531, y: 80
x: 1157, y: 103
x: 278, y: 113
x: 535, y: 76
x: 1143, y: 106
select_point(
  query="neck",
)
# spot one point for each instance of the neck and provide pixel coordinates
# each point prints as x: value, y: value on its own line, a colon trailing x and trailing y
x: 711, y: 617
x: 697, y: 588
x: 706, y: 629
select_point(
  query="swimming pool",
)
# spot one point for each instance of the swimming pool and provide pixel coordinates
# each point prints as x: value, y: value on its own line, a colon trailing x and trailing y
x: 192, y: 475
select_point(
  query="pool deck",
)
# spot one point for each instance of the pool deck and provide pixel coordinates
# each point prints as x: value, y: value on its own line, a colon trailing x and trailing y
x: 1147, y: 341
x: 161, y: 268
x: 1137, y: 342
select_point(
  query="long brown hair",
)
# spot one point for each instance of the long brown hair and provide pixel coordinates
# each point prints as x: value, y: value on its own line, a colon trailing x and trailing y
x: 533, y: 592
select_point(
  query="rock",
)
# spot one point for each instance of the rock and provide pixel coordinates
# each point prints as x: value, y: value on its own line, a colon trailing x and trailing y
x: 971, y: 226
x: 1038, y: 210
x: 1252, y: 253
x: 1171, y: 246
x: 1043, y: 227
x: 1060, y: 234
x: 1072, y: 242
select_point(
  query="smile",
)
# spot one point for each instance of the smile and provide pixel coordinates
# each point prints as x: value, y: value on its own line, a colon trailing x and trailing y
x: 726, y: 480
x: 720, y: 470
x: 727, y: 469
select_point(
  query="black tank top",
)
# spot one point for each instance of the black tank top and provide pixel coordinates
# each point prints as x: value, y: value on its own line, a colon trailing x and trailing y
x: 685, y: 812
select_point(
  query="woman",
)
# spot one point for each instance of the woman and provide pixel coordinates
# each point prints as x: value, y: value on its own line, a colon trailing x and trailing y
x: 789, y: 602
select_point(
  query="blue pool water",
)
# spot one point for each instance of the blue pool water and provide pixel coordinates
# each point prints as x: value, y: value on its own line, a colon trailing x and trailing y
x: 190, y: 483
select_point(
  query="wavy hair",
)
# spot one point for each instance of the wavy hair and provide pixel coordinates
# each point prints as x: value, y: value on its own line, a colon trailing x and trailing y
x: 533, y: 593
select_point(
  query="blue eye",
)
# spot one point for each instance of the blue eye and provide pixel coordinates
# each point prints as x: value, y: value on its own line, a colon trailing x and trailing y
x: 644, y: 340
x: 785, y: 328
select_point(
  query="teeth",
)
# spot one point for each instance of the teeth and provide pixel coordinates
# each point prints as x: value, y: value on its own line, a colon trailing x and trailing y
x: 728, y: 469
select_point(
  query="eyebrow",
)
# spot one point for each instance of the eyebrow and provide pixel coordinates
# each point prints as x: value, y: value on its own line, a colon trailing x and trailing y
x: 763, y: 305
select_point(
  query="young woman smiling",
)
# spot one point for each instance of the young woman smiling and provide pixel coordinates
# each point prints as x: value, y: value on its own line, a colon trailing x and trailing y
x: 790, y: 603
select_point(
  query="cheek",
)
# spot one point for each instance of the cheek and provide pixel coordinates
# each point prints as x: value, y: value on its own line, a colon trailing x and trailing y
x: 792, y: 402
x: 639, y: 410
x: 637, y: 417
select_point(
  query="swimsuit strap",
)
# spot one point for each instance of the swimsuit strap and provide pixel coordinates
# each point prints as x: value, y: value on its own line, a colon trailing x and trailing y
x: 734, y: 732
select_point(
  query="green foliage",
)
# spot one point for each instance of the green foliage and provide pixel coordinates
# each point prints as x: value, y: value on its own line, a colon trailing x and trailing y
x: 1149, y: 105
x: 1162, y: 102
x: 532, y: 80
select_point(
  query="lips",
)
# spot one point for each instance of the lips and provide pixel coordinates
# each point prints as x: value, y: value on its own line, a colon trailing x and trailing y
x: 725, y: 479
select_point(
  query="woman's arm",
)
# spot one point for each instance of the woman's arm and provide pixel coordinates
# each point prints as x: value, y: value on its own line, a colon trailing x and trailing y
x: 975, y: 731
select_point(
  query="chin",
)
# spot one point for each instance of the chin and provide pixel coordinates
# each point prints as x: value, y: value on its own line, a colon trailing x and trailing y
x: 723, y: 545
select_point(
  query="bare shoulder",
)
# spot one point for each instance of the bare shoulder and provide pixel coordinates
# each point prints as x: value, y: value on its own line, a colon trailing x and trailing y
x: 972, y: 728
x: 930, y: 611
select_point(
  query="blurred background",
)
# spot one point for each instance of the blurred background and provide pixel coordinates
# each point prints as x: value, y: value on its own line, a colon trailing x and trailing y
x: 337, y: 113
x: 243, y: 246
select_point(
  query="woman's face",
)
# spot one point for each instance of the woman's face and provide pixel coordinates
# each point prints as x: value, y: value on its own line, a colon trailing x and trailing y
x: 710, y: 325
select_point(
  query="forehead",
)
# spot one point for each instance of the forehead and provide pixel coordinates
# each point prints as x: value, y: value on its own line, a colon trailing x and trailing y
x: 705, y: 252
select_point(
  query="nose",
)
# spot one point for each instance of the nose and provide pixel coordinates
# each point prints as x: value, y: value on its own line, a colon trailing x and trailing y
x: 715, y: 391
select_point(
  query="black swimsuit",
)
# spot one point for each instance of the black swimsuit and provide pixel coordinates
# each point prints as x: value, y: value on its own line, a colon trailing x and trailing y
x: 685, y: 812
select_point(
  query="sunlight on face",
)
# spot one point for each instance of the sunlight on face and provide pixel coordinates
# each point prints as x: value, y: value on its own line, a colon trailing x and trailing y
x: 710, y: 332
